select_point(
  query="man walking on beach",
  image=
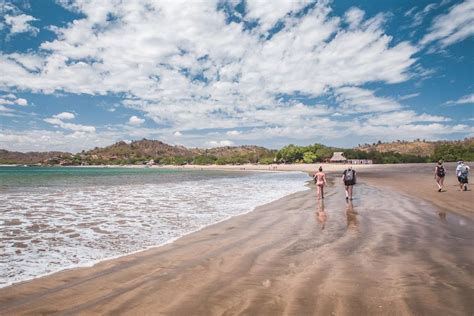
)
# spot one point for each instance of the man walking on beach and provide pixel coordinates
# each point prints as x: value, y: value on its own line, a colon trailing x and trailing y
x: 349, y: 179
x: 462, y: 172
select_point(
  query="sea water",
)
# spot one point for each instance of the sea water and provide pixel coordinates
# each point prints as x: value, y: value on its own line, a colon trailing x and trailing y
x: 53, y: 218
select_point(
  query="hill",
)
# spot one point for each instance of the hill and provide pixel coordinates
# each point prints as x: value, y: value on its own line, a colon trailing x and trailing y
x: 145, y: 150
x: 446, y: 150
x: 141, y: 149
x: 29, y: 158
x: 419, y: 148
x: 141, y: 152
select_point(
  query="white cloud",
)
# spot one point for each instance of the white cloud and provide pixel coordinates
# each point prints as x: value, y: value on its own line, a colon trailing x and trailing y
x: 5, y: 101
x: 21, y: 101
x: 243, y: 74
x: 64, y: 116
x: 21, y: 24
x: 135, y: 120
x: 408, y: 96
x: 269, y: 12
x: 419, y: 16
x: 453, y: 27
x: 27, y: 61
x: 44, y: 140
x: 433, y: 131
x: 400, y: 118
x: 467, y: 99
x: 4, y: 109
x: 358, y: 100
x: 57, y: 120
x: 233, y: 133
x: 220, y: 143
x: 354, y: 17
x: 9, y: 99
x: 177, y: 133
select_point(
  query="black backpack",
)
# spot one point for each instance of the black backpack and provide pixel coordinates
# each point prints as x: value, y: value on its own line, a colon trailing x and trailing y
x: 440, y: 171
x: 349, y: 175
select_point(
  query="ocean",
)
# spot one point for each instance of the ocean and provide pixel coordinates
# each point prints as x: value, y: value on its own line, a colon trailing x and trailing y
x: 54, y: 218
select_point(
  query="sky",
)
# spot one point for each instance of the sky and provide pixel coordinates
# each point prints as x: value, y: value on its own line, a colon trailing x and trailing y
x: 79, y: 74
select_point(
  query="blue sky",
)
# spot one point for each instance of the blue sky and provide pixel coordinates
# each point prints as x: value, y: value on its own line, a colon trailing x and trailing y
x: 80, y: 74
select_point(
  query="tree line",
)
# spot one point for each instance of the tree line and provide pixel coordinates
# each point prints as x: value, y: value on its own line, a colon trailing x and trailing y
x: 300, y: 154
x: 320, y: 153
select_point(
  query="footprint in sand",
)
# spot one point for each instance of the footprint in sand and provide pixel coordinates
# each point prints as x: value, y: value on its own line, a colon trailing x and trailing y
x: 267, y: 283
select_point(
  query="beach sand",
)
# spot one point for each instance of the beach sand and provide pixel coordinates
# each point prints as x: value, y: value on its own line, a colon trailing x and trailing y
x: 388, y: 253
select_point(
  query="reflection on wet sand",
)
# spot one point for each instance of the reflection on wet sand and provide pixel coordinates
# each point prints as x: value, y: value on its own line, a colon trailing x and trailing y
x: 352, y: 222
x: 321, y: 215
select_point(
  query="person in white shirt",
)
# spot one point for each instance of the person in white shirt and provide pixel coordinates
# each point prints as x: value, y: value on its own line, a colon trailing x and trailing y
x: 462, y: 172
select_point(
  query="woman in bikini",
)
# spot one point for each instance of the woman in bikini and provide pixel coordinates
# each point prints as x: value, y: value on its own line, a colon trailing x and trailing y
x: 320, y: 179
x: 439, y: 175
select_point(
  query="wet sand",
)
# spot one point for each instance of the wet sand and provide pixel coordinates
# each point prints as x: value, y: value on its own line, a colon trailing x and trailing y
x: 418, y: 180
x: 387, y: 253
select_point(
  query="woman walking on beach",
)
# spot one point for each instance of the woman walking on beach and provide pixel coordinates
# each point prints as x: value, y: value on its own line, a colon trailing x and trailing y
x: 440, y: 173
x: 349, y: 179
x: 320, y: 179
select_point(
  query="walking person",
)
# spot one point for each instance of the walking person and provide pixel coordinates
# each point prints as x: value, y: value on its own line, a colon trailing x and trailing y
x: 462, y: 172
x: 349, y: 180
x: 439, y: 175
x: 320, y: 179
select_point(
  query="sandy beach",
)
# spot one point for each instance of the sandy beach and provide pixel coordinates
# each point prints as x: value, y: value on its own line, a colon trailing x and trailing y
x: 400, y: 248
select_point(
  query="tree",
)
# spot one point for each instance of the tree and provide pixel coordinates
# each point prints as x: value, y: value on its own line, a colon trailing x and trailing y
x: 309, y: 157
x: 204, y: 160
x: 266, y: 161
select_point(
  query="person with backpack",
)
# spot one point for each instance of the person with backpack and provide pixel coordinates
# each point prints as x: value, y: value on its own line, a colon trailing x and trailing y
x: 462, y: 172
x: 439, y: 175
x: 320, y: 179
x: 349, y: 179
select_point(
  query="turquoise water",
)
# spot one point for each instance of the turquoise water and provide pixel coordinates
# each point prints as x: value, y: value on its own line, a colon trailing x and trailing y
x: 52, y: 218
x: 11, y: 177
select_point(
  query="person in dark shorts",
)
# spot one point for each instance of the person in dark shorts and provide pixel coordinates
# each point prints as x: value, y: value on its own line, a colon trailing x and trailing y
x: 440, y: 173
x: 349, y: 180
x: 462, y: 172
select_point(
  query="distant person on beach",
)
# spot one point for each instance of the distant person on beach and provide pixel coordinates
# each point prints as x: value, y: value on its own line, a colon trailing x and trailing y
x: 439, y: 175
x: 349, y: 180
x: 320, y: 179
x: 462, y: 172
x: 321, y: 215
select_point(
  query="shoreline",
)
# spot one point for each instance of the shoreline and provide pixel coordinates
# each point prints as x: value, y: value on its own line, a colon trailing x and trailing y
x: 172, y: 240
x: 92, y: 263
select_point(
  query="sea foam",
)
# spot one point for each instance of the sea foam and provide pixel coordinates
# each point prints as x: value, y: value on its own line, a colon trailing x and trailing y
x: 45, y: 229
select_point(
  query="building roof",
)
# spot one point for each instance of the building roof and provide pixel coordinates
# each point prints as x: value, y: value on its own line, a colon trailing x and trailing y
x: 338, y: 156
